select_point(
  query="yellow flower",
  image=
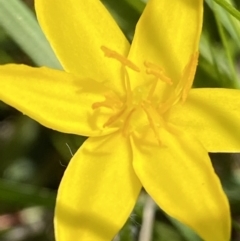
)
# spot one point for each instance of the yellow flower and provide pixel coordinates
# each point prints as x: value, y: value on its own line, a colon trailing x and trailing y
x: 146, y: 126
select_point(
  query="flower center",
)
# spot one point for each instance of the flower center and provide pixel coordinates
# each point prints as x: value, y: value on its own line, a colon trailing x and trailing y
x: 138, y: 107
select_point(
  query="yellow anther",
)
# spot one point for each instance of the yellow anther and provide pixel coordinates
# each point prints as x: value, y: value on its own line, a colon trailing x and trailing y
x: 158, y: 72
x: 115, y: 55
x: 188, y: 75
x: 97, y: 105
x: 159, y: 75
x: 153, y: 66
x: 111, y: 102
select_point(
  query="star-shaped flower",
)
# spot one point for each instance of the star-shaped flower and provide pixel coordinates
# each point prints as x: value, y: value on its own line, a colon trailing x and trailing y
x: 145, y: 124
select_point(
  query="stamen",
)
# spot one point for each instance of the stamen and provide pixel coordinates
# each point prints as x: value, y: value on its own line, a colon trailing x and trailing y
x: 158, y: 72
x: 114, y: 118
x: 126, y: 113
x: 127, y: 86
x: 124, y: 110
x: 114, y: 55
x: 165, y: 106
x: 188, y: 75
x: 110, y: 102
x: 153, y: 66
x: 152, y: 117
x: 105, y: 103
x: 126, y: 125
x: 151, y: 92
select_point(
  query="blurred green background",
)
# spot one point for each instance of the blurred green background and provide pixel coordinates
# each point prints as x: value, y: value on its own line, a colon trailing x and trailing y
x: 33, y: 158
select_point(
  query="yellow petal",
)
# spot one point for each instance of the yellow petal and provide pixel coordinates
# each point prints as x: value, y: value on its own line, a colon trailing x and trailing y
x: 55, y: 99
x: 167, y: 34
x: 76, y: 31
x: 98, y: 191
x: 213, y: 116
x: 180, y: 178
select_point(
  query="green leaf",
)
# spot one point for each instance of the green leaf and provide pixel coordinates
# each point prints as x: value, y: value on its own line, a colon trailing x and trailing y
x: 225, y: 23
x: 233, y: 11
x: 26, y: 195
x: 20, y: 23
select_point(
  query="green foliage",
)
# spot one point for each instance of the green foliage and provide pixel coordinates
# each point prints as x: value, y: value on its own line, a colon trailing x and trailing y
x: 33, y: 158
